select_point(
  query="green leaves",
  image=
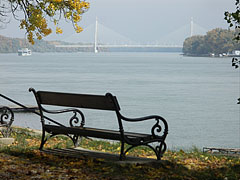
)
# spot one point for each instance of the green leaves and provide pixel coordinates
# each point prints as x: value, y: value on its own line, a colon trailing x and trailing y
x: 233, y: 19
x: 216, y: 41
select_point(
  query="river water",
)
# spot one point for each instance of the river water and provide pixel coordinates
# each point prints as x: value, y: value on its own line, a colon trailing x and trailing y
x: 197, y: 95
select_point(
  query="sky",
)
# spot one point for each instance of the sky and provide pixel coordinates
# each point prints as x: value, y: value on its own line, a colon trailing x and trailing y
x: 141, y: 21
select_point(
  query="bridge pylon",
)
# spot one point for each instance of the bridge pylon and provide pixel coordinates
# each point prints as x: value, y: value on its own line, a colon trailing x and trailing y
x: 95, y: 39
x: 191, y: 27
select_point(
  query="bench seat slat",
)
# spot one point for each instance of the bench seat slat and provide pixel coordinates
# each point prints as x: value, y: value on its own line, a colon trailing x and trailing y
x: 94, y: 132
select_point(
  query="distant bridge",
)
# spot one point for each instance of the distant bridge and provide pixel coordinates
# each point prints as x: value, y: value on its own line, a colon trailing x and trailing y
x: 118, y: 46
x: 96, y: 46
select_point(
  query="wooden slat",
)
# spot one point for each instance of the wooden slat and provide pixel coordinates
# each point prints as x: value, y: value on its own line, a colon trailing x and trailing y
x: 83, y: 153
x: 78, y: 100
x: 93, y: 132
x: 89, y: 132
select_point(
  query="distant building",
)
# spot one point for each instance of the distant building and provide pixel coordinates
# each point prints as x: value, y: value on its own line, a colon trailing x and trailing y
x: 236, y: 52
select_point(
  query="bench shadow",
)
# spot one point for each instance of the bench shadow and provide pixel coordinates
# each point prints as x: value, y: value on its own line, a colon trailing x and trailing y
x: 110, y: 167
x: 86, y: 153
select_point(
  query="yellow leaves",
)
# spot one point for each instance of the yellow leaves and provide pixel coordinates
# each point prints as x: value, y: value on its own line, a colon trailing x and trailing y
x: 151, y: 156
x: 30, y: 37
x: 39, y: 37
x: 57, y: 1
x: 33, y: 142
x: 86, y: 5
x: 58, y: 30
x: 78, y: 29
x: 23, y: 23
x: 30, y: 163
x: 78, y: 4
x: 35, y: 22
x: 192, y: 163
x: 76, y: 17
x: 68, y: 14
x: 47, y: 31
x: 35, y: 25
x: 55, y: 22
x: 51, y: 7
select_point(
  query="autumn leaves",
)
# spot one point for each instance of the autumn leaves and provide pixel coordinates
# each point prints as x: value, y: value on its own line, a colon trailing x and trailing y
x: 37, y: 14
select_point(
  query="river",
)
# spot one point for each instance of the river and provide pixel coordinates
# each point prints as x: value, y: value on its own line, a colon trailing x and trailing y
x: 197, y: 95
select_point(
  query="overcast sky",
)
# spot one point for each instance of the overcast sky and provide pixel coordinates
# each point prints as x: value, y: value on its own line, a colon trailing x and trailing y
x: 142, y: 20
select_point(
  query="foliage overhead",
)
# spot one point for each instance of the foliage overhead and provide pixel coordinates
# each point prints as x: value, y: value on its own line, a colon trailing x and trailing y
x: 35, y: 14
x: 233, y: 19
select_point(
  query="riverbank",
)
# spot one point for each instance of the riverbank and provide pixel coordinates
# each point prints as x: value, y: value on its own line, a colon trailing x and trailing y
x: 23, y: 160
x: 212, y: 55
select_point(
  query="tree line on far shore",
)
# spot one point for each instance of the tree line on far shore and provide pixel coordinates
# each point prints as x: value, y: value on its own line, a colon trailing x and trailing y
x: 217, y: 41
x: 12, y: 45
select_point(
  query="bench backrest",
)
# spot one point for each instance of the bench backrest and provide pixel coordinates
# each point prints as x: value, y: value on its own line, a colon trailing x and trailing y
x: 107, y: 102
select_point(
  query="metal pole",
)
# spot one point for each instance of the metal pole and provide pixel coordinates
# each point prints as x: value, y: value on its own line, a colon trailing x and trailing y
x: 95, y: 41
x: 26, y: 108
x: 191, y: 28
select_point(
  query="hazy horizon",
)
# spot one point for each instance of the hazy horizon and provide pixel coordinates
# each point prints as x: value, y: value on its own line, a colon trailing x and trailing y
x: 139, y: 21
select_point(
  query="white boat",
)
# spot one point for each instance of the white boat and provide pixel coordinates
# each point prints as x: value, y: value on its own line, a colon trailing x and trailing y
x: 235, y: 53
x: 24, y: 52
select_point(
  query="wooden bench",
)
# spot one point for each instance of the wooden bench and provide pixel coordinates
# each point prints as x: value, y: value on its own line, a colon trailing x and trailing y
x: 154, y: 140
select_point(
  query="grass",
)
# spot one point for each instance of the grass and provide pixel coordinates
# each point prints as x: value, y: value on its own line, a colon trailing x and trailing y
x: 23, y: 160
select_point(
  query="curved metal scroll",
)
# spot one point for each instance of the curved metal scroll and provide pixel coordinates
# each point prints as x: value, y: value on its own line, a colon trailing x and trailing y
x: 74, y: 119
x: 6, y: 120
x: 156, y: 128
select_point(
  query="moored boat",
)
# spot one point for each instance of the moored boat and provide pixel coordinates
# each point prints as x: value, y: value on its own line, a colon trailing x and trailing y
x: 24, y: 52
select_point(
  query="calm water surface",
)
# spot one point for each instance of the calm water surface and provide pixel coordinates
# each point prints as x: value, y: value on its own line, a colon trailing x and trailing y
x: 196, y: 95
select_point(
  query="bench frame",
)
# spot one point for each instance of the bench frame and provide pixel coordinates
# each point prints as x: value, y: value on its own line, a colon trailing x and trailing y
x: 109, y: 102
x: 6, y: 120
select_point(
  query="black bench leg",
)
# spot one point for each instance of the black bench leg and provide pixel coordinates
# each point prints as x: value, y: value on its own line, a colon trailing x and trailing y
x: 122, y: 155
x: 43, y: 140
x: 75, y: 140
x: 160, y: 150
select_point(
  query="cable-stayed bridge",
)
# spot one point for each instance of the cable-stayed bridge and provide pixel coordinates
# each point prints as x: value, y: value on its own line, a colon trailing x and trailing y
x: 116, y: 40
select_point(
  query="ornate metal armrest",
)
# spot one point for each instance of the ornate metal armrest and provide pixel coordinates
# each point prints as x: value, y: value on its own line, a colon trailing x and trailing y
x: 156, y: 127
x: 158, y: 135
x: 7, y: 114
x: 74, y: 119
